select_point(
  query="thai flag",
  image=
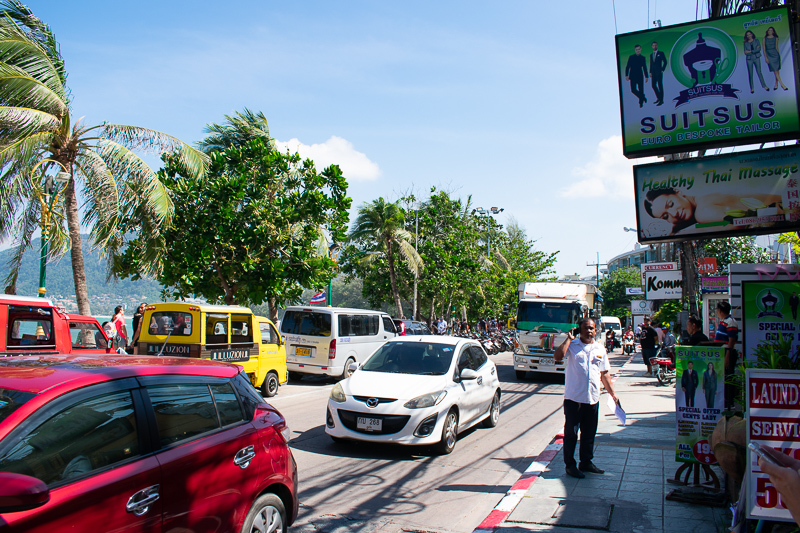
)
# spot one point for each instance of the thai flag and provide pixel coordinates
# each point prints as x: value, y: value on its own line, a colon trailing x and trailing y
x: 318, y: 298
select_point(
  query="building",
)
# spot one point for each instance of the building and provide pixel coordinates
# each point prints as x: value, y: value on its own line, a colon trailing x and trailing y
x: 651, y: 253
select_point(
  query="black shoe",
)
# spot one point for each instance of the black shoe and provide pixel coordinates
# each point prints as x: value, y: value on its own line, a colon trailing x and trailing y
x: 659, y: 103
x: 640, y: 104
x: 573, y: 471
x: 591, y: 469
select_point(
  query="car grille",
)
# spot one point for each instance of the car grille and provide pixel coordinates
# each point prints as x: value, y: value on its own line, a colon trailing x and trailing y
x: 380, y: 400
x: 391, y: 423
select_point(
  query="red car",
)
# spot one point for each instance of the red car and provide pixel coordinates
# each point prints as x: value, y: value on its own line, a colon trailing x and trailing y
x: 125, y: 443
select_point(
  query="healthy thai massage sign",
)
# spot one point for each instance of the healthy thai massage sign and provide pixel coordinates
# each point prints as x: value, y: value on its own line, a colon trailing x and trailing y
x: 699, y: 397
x: 773, y: 416
x: 707, y: 84
x: 744, y: 193
x: 770, y: 312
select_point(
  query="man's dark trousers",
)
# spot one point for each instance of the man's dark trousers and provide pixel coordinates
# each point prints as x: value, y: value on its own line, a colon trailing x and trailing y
x: 583, y: 417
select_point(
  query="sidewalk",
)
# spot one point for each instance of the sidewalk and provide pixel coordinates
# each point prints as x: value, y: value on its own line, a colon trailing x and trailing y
x: 637, y: 458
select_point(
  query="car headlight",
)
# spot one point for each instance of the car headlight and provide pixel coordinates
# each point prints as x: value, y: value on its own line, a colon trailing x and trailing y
x: 426, y: 400
x: 337, y: 393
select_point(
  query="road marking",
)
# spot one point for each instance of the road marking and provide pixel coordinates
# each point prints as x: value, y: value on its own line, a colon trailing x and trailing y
x: 274, y: 398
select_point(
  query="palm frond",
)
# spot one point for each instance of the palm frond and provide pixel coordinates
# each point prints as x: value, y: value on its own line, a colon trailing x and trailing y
x: 410, y: 256
x: 26, y: 121
x: 193, y: 161
x: 135, y: 179
x: 102, y: 195
x: 18, y: 50
x: 18, y: 89
x: 236, y: 131
x: 24, y: 228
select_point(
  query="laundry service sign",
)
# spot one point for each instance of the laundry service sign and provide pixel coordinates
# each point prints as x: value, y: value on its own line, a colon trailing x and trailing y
x: 708, y: 84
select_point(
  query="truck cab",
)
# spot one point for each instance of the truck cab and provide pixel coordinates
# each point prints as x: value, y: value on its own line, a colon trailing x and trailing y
x: 545, y: 313
x: 34, y: 326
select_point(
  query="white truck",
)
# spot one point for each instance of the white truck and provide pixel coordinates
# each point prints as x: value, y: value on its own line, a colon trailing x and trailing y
x: 545, y: 312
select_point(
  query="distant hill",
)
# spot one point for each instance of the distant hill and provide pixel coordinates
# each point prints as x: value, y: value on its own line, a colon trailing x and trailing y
x: 103, y: 296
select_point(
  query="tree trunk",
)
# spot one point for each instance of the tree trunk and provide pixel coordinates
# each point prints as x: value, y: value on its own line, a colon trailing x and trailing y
x: 273, y: 309
x: 690, y: 266
x: 76, y: 253
x: 433, y: 310
x: 393, y: 279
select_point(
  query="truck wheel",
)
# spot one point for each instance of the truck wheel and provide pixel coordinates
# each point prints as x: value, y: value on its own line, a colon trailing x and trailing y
x: 521, y: 374
x: 270, y: 386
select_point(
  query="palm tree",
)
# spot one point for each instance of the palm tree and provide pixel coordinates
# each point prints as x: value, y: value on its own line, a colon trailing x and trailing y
x: 37, y: 128
x: 379, y: 225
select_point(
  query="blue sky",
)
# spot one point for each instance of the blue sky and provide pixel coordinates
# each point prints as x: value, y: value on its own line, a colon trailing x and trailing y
x: 514, y: 103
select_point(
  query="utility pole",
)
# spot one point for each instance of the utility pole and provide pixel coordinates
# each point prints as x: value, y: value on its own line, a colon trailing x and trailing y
x: 597, y: 268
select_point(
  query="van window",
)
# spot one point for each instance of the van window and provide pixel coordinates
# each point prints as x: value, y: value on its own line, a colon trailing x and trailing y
x: 86, y: 335
x: 358, y: 325
x: 30, y: 326
x: 268, y: 333
x: 306, y: 323
x: 388, y: 325
x: 216, y: 328
x: 241, y: 328
x: 162, y: 321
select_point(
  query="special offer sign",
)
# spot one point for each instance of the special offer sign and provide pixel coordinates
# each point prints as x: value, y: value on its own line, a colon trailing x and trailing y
x: 773, y: 416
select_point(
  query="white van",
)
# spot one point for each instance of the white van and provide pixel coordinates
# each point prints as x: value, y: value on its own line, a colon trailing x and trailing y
x: 612, y: 322
x: 326, y: 340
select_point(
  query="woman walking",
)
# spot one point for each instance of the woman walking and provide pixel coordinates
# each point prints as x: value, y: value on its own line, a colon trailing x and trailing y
x: 137, y: 326
x: 772, y: 55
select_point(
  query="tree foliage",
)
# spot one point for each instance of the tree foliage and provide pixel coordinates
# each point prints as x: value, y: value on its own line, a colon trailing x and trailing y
x: 615, y: 301
x: 735, y: 250
x: 39, y: 134
x: 248, y: 231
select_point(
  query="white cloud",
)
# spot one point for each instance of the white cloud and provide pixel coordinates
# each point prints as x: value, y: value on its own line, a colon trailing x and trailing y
x: 355, y: 165
x: 608, y: 174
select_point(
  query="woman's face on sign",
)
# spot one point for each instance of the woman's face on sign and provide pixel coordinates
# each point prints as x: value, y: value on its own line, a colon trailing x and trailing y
x: 673, y: 208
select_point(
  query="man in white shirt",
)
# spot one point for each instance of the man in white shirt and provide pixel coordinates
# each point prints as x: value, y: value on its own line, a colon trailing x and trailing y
x: 441, y: 326
x: 587, y: 367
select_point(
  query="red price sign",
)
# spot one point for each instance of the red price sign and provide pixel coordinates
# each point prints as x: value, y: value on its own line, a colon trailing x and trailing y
x: 702, y: 452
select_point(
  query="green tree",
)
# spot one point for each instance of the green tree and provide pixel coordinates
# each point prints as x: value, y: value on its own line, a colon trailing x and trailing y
x: 254, y: 223
x: 615, y: 301
x: 39, y: 130
x: 379, y: 227
x: 735, y: 250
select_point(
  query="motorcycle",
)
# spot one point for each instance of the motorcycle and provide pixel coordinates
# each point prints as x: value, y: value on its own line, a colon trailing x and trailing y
x: 609, y: 343
x: 627, y: 345
x: 664, y: 367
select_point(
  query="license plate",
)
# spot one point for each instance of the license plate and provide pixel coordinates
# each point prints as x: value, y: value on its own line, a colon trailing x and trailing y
x: 369, y: 424
x: 305, y: 352
x: 547, y: 361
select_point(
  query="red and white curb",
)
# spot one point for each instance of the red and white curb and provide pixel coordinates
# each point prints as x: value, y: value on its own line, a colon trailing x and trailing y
x: 520, y: 488
x: 518, y: 491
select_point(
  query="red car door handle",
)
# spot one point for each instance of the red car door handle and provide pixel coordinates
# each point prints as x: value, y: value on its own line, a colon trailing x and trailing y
x: 244, y: 456
x: 140, y: 502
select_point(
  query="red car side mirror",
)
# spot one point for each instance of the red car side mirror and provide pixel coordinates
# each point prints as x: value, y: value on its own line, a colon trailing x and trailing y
x: 19, y: 492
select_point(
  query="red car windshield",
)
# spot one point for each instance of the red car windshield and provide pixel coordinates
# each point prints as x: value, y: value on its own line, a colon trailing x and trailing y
x: 11, y: 400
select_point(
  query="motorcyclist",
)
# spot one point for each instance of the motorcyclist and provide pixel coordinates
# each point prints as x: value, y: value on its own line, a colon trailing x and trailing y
x: 668, y: 345
x: 627, y: 339
x: 610, y: 340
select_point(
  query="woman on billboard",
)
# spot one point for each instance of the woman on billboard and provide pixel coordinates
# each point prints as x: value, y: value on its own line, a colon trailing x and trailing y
x: 773, y: 56
x: 682, y: 210
x: 752, y: 51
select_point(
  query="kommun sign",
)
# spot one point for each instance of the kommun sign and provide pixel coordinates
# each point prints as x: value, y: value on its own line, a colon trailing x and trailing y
x: 664, y: 285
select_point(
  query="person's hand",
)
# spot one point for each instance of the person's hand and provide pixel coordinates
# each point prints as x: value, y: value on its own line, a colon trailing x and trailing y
x: 570, y: 335
x: 627, y: 78
x: 785, y: 478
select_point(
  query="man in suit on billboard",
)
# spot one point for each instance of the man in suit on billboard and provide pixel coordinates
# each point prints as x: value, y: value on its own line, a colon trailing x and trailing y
x: 689, y: 382
x: 636, y: 73
x: 658, y: 64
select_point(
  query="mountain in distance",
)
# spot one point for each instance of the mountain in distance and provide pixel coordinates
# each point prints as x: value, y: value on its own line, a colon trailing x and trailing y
x: 103, y: 295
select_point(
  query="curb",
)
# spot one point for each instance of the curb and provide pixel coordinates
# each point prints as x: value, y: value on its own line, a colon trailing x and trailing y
x: 512, y: 498
x: 520, y: 488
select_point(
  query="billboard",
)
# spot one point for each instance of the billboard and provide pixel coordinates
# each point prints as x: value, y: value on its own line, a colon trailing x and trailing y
x: 664, y: 285
x: 772, y: 419
x: 744, y: 193
x: 769, y: 312
x: 708, y: 84
x: 699, y: 397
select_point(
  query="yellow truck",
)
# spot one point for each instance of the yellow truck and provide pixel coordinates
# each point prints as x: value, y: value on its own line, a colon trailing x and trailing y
x: 225, y: 333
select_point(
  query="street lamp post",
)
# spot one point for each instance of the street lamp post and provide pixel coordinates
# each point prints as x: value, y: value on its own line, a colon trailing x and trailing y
x: 488, y: 212
x: 47, y: 198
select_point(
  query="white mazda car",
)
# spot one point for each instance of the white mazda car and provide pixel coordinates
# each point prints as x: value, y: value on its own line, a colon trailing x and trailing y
x: 416, y: 390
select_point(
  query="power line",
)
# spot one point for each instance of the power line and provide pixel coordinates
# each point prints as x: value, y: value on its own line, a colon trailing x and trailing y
x: 614, y: 9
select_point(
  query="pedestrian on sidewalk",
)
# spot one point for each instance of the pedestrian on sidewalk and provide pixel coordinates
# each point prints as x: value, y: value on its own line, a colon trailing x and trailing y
x: 120, y: 330
x: 648, y: 342
x: 727, y: 334
x: 696, y: 336
x: 587, y: 367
